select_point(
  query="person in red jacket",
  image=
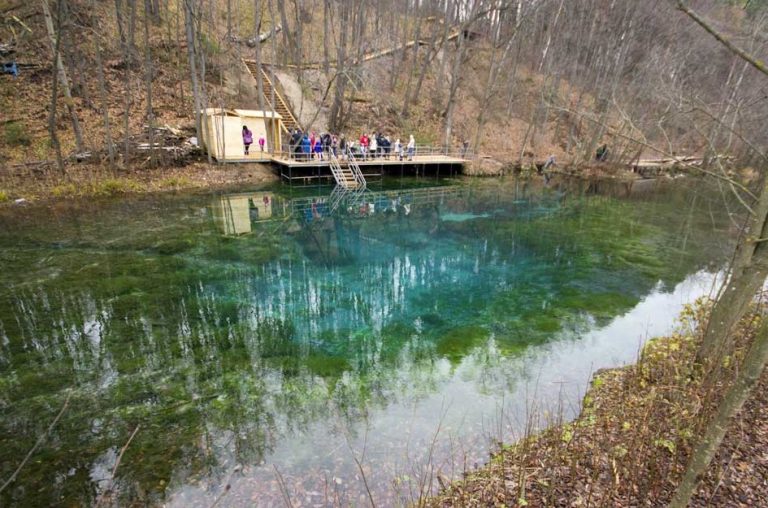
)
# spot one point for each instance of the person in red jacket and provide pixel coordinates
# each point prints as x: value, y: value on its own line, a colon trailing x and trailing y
x: 364, y: 141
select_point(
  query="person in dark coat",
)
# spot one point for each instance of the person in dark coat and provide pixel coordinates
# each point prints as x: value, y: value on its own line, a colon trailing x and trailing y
x: 306, y: 148
x: 385, y: 145
x: 343, y: 146
x: 326, y: 139
x: 296, y: 143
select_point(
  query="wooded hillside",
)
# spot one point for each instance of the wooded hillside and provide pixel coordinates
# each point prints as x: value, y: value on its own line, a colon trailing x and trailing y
x: 511, y: 77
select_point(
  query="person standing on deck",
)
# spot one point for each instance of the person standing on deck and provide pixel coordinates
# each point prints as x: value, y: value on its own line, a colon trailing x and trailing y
x: 326, y: 137
x: 296, y: 143
x: 247, y: 138
x: 364, y: 145
x: 334, y: 145
x: 306, y: 148
x: 398, y: 149
x: 374, y: 146
x: 261, y: 143
x: 343, y: 146
x: 318, y: 149
x: 411, y: 148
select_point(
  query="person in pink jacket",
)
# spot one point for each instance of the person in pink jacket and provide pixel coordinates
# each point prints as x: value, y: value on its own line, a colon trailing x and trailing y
x: 247, y: 138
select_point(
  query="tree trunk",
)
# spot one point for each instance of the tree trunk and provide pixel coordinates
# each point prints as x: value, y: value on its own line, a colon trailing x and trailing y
x: 326, y: 31
x: 289, y: 43
x: 229, y: 20
x: 55, y: 94
x: 747, y: 276
x: 104, y: 103
x: 189, y: 17
x: 257, y: 53
x: 62, y: 72
x: 428, y: 58
x: 748, y: 377
x: 148, y: 70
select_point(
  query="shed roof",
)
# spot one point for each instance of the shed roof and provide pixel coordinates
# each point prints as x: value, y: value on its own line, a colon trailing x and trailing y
x: 248, y: 113
x: 257, y: 114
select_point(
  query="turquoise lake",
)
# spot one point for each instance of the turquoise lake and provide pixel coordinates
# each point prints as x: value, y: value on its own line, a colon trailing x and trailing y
x: 272, y: 347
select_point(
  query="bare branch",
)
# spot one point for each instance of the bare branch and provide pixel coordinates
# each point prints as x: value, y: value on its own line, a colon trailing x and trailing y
x: 754, y: 62
x: 37, y: 443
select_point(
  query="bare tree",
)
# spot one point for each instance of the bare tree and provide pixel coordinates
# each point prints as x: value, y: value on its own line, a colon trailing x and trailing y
x: 55, y: 40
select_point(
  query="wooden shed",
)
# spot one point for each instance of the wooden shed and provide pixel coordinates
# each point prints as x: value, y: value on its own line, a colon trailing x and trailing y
x: 223, y: 133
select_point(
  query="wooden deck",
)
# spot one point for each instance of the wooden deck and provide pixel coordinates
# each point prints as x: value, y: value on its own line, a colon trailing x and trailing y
x: 315, y: 171
x: 306, y: 172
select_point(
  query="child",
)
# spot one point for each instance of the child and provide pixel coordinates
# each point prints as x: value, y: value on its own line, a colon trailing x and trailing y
x: 261, y: 143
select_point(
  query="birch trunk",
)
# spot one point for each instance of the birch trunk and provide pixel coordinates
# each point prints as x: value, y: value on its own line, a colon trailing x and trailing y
x: 55, y: 40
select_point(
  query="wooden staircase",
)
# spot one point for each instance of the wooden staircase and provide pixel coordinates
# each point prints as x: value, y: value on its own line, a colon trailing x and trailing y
x: 281, y: 105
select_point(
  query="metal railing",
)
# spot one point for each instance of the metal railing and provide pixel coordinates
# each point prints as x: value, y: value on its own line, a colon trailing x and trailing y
x: 338, y: 174
x: 356, y: 172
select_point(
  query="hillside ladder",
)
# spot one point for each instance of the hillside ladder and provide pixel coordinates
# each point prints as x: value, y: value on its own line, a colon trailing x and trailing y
x: 281, y: 105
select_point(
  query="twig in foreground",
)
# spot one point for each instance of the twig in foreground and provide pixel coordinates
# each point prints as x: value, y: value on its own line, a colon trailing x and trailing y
x: 117, y: 464
x: 37, y: 443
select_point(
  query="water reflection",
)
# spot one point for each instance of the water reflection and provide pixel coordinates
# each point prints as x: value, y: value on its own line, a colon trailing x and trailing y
x: 242, y: 334
x: 235, y: 214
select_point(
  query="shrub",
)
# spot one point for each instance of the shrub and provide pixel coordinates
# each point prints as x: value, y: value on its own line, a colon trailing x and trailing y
x: 64, y: 190
x: 175, y: 182
x: 114, y: 186
x: 16, y: 134
x: 4, y: 196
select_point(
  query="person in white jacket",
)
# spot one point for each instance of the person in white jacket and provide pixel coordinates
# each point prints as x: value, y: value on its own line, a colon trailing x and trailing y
x: 374, y: 146
x: 411, y: 148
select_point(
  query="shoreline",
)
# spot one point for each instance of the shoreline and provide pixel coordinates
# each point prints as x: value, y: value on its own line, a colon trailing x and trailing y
x: 88, y: 180
x: 98, y: 181
x: 630, y: 442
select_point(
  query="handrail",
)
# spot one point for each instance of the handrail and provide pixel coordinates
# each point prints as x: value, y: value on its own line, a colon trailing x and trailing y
x: 336, y: 170
x: 356, y: 172
x: 280, y: 102
x: 420, y: 152
x: 279, y: 97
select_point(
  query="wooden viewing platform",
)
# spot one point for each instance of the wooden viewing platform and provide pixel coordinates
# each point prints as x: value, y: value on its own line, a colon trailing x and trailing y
x: 305, y: 172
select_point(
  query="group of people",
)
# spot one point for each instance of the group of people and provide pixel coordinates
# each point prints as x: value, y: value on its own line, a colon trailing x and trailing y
x: 308, y: 146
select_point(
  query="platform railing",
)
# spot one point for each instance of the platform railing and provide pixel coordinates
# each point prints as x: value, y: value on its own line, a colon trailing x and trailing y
x: 420, y: 152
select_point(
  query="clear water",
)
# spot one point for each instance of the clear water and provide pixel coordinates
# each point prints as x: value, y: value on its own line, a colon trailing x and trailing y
x: 301, y: 358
